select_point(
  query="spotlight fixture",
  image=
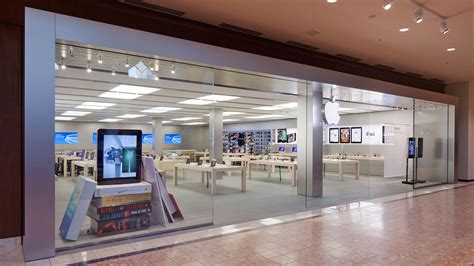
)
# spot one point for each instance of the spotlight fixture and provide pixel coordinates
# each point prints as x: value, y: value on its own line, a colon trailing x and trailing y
x: 156, y: 77
x: 451, y: 49
x: 89, y: 69
x: 100, y: 58
x: 419, y: 15
x: 331, y: 1
x: 387, y: 4
x: 63, y: 66
x: 404, y: 29
x: 113, y: 71
x: 152, y: 68
x: 173, y: 69
x: 444, y: 27
x: 126, y: 63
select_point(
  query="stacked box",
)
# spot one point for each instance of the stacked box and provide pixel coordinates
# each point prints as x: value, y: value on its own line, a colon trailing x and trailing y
x: 120, y: 208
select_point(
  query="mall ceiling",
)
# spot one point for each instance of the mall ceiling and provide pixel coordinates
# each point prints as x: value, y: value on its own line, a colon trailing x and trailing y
x: 360, y: 29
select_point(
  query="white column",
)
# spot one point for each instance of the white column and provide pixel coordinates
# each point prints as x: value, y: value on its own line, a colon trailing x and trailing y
x: 310, y: 141
x: 158, y: 141
x: 216, y: 128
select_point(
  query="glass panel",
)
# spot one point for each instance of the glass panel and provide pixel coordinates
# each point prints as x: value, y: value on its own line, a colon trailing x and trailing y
x: 98, y: 88
x: 432, y: 143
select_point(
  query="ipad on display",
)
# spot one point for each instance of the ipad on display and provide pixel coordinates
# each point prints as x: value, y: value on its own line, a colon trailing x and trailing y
x: 119, y: 156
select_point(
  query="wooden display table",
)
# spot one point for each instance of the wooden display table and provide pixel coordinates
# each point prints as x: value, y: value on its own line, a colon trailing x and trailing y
x: 340, y: 163
x: 292, y: 166
x: 213, y: 170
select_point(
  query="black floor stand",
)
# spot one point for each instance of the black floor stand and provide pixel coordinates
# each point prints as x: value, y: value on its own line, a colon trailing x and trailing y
x: 415, y: 180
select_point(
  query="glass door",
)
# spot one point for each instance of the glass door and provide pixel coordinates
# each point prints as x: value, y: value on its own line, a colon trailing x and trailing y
x: 431, y: 143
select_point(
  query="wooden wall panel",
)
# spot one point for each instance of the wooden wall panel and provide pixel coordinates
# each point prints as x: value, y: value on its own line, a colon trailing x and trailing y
x: 11, y: 133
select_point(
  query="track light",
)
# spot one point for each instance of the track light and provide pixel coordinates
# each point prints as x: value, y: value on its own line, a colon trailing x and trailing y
x: 113, y: 71
x: 126, y: 63
x: 152, y: 68
x: 89, y: 69
x: 331, y: 1
x: 387, y: 4
x: 156, y: 77
x: 173, y: 69
x: 100, y: 58
x: 419, y: 15
x: 63, y: 66
x: 444, y: 27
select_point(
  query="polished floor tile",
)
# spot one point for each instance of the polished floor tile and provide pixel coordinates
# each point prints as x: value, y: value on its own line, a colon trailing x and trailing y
x: 432, y: 229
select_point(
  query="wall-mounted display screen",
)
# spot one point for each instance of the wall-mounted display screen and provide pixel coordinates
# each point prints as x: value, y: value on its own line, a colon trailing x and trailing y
x: 173, y: 139
x: 94, y: 138
x: 119, y: 156
x: 147, y: 139
x: 334, y: 135
x: 66, y: 138
x: 282, y: 136
x: 345, y: 135
x: 294, y: 149
x: 356, y: 134
x: 281, y: 149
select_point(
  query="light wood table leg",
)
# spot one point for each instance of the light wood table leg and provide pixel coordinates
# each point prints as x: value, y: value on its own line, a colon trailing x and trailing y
x: 65, y: 167
x: 202, y: 176
x: 175, y: 176
x: 213, y: 183
x: 249, y: 170
x: 341, y: 177
x: 269, y: 171
x: 73, y: 170
x: 243, y: 180
x: 357, y: 170
x: 293, y: 168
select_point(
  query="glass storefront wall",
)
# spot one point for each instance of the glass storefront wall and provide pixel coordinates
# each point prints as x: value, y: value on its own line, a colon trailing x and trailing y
x: 288, y: 144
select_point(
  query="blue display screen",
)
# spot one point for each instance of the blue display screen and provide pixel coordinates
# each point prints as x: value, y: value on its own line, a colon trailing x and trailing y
x: 294, y: 149
x: 94, y: 138
x: 172, y: 138
x: 281, y: 149
x: 65, y: 138
x: 147, y: 139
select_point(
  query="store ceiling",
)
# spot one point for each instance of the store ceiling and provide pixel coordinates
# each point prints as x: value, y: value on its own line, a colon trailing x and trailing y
x: 361, y: 29
x: 74, y: 86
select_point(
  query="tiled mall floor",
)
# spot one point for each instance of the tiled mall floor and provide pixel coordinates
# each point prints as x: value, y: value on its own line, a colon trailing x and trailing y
x: 432, y: 229
x: 417, y: 228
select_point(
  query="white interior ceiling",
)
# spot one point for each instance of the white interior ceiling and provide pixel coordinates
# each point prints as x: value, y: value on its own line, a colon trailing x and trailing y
x: 74, y: 86
x: 358, y: 28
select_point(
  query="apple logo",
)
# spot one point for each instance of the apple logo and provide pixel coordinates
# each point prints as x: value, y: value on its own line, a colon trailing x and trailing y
x: 331, y: 112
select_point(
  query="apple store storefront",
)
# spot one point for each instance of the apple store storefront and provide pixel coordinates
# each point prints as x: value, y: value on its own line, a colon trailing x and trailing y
x: 155, y: 134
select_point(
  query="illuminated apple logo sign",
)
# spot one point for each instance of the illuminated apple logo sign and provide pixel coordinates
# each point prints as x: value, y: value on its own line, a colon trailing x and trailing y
x: 331, y: 112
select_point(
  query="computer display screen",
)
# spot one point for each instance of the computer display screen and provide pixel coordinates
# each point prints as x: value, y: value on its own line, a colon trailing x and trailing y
x: 119, y: 156
x: 173, y: 139
x: 281, y: 149
x: 294, y: 149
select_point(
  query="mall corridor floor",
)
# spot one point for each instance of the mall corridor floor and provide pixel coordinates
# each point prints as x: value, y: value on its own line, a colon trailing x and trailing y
x: 434, y: 229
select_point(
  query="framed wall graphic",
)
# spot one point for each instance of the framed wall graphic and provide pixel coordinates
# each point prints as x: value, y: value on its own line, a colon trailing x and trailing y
x: 356, y: 134
x: 345, y: 135
x: 66, y: 138
x: 173, y: 139
x: 334, y: 135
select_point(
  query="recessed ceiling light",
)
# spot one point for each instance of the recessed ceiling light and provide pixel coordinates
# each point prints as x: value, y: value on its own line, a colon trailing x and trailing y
x: 64, y: 118
x: 404, y: 29
x: 196, y: 102
x: 218, y: 98
x: 75, y: 113
x: 194, y: 123
x: 288, y: 105
x: 110, y: 120
x: 387, y: 4
x: 451, y: 49
x: 331, y: 1
x: 166, y: 122
x: 158, y: 110
x: 130, y: 116
x: 232, y: 113
x: 230, y: 120
x: 134, y: 89
x: 186, y: 118
x: 95, y: 105
x: 268, y: 108
x: 264, y: 116
x: 119, y: 95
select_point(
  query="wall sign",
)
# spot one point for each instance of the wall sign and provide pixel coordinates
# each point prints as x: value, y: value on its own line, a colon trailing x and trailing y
x: 331, y: 112
x: 94, y: 138
x: 345, y: 135
x: 334, y: 135
x: 65, y: 138
x: 147, y: 139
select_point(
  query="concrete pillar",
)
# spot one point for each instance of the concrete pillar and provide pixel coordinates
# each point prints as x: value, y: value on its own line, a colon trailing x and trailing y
x: 216, y: 125
x: 310, y: 141
x: 158, y: 137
